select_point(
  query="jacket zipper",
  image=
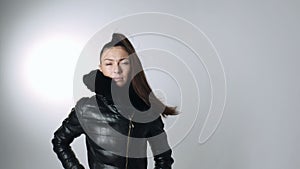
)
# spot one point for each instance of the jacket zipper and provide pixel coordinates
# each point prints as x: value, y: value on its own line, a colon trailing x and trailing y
x: 128, y: 139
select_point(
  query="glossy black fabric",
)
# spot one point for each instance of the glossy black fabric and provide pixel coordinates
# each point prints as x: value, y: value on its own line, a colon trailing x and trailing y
x: 114, y: 140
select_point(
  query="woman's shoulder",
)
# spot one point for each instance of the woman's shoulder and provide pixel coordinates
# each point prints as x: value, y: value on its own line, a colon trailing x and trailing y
x: 85, y: 103
x: 92, y: 108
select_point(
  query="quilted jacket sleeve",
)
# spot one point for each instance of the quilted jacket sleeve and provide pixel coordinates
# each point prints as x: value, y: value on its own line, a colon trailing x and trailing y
x: 159, y: 145
x: 63, y: 137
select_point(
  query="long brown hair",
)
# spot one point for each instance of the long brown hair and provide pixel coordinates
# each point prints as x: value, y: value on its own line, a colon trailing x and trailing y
x: 139, y: 81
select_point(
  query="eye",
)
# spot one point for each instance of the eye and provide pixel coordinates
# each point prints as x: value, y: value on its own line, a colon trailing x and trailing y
x: 107, y: 64
x: 125, y: 62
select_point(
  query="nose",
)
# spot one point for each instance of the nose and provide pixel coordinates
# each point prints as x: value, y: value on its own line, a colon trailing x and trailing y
x: 117, y: 69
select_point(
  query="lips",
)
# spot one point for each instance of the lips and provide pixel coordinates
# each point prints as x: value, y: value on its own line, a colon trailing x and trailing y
x: 118, y: 79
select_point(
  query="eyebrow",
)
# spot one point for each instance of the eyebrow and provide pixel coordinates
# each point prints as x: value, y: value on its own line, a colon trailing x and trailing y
x: 113, y: 59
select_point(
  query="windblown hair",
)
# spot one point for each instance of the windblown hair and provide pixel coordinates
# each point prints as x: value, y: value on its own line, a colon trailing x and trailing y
x: 139, y: 81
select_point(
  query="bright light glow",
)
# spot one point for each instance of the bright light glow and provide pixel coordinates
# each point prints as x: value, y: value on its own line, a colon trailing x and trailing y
x: 49, y: 67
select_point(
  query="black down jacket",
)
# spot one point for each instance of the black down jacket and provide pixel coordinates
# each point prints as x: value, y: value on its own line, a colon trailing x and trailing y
x: 116, y: 133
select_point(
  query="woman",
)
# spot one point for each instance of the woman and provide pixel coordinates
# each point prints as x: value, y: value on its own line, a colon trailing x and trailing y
x: 119, y: 119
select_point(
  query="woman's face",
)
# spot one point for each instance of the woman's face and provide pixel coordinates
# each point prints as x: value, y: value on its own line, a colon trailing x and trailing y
x: 115, y: 64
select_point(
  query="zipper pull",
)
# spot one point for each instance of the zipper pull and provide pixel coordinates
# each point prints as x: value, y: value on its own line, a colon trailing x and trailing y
x: 131, y: 125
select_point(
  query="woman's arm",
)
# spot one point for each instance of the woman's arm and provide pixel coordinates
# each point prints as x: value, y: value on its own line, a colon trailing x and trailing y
x: 63, y: 137
x: 159, y: 145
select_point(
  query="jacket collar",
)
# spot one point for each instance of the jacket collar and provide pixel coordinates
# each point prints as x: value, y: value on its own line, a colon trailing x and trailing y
x: 106, y: 88
x: 96, y: 82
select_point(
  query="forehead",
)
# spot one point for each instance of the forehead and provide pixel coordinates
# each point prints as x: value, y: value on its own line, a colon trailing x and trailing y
x: 114, y: 53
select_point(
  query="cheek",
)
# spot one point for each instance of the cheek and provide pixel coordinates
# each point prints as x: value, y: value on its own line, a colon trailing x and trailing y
x: 106, y: 71
x: 126, y: 70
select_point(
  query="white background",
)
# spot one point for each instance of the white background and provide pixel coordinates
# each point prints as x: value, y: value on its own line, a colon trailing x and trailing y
x: 258, y: 44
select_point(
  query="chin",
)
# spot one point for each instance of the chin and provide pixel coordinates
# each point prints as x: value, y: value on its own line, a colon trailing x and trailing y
x: 120, y: 84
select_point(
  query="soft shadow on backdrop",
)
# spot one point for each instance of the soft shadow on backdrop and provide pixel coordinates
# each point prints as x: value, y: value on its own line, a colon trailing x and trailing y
x: 257, y: 43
